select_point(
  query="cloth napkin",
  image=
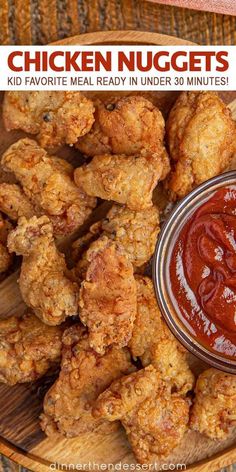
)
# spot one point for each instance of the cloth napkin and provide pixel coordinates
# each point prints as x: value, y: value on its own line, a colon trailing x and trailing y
x: 227, y: 7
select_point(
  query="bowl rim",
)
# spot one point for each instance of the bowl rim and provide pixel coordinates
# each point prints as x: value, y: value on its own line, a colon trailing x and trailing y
x: 183, y: 335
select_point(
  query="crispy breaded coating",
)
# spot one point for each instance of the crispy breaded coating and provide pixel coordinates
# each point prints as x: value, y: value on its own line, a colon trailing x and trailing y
x: 5, y: 257
x: 79, y: 250
x: 48, y: 183
x: 201, y: 136
x: 56, y: 117
x: 214, y: 409
x: 153, y: 342
x: 154, y: 419
x: 128, y: 125
x: 28, y: 348
x: 43, y: 281
x: 148, y: 325
x: 84, y: 375
x: 81, y: 245
x: 129, y: 180
x: 170, y: 359
x: 136, y: 231
x: 14, y: 203
x: 107, y: 300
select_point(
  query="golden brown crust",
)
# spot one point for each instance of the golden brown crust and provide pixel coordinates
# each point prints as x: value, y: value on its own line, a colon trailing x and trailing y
x: 128, y: 180
x: 201, y: 136
x: 81, y: 245
x: 214, y: 409
x: 128, y: 125
x: 14, y: 203
x: 79, y: 252
x: 47, y: 182
x: 56, y: 117
x: 28, y: 348
x: 44, y: 284
x: 84, y: 375
x: 154, y: 419
x: 170, y: 359
x: 107, y: 299
x: 153, y: 342
x: 136, y: 231
x: 5, y: 257
x: 148, y: 323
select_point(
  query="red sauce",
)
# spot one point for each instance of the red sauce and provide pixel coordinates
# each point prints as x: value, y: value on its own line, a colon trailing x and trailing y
x: 203, y: 272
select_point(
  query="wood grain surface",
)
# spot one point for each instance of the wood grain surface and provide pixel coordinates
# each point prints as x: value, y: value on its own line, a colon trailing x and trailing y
x: 25, y: 443
x: 43, y: 21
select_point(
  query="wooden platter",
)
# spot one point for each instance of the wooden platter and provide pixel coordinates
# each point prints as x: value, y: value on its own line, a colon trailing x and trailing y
x: 20, y: 436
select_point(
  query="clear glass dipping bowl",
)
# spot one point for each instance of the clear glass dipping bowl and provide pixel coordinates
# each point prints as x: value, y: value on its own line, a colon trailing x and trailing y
x: 170, y: 230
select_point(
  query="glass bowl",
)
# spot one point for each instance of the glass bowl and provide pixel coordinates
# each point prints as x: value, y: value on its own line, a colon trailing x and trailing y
x: 167, y: 238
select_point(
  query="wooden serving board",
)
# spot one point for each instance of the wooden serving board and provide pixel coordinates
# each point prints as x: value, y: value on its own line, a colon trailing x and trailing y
x: 20, y: 436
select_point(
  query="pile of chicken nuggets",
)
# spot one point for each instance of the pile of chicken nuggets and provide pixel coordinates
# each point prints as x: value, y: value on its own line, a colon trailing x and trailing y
x: 99, y: 319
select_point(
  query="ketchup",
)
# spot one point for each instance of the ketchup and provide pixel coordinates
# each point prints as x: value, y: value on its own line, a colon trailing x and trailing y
x: 202, y: 272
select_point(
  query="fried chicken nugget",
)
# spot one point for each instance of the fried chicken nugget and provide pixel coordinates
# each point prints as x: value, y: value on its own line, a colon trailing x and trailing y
x: 14, y: 203
x: 81, y: 245
x: 43, y: 281
x: 5, y: 257
x: 84, y: 375
x: 170, y: 359
x: 28, y: 348
x: 214, y: 409
x: 48, y: 183
x: 154, y: 419
x: 148, y: 325
x: 129, y: 180
x: 202, y: 140
x: 136, y: 231
x: 128, y: 125
x: 107, y: 299
x: 56, y: 117
x: 153, y: 342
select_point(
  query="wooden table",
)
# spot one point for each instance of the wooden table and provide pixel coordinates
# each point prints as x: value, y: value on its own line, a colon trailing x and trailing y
x: 56, y: 19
